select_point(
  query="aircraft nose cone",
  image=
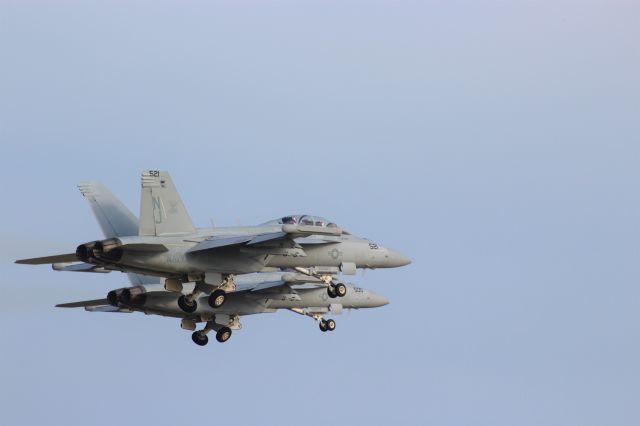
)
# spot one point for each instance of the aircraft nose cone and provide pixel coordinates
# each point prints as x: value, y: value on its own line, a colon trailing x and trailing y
x: 396, y: 259
x: 375, y: 300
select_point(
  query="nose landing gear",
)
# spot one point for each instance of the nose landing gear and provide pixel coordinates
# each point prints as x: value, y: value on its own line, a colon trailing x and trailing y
x: 334, y: 288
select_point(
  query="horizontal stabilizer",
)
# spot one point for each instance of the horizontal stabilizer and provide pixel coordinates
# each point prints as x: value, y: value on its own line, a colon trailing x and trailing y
x: 83, y: 304
x: 60, y: 258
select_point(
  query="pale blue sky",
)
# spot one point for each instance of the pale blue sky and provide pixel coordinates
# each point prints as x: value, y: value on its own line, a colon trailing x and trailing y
x: 496, y: 143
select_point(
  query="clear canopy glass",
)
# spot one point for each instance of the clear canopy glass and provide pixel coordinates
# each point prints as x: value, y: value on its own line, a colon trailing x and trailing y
x: 303, y: 219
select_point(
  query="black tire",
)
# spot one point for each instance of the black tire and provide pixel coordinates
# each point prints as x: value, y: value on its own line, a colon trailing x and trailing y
x: 199, y: 338
x: 331, y: 291
x: 341, y: 290
x: 323, y: 325
x: 223, y: 334
x: 217, y: 298
x: 331, y: 325
x: 186, y: 306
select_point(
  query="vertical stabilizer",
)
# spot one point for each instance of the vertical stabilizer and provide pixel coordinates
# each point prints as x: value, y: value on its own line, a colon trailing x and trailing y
x: 161, y: 209
x: 114, y: 218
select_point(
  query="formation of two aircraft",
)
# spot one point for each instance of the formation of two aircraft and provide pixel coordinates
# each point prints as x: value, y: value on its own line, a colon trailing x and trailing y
x: 216, y: 275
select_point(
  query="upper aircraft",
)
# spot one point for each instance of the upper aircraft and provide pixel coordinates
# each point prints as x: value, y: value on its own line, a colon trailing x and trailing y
x: 166, y: 244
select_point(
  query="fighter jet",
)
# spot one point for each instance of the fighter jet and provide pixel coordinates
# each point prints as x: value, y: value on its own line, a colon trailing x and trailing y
x: 166, y: 244
x: 255, y: 293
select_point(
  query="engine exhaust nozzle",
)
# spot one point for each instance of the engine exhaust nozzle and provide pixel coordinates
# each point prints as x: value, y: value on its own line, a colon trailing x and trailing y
x: 128, y: 297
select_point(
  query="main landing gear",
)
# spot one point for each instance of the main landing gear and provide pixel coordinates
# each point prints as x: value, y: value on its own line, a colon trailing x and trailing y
x: 200, y: 337
x: 223, y: 334
x: 327, y: 325
x: 336, y: 290
x: 217, y: 298
x: 188, y: 302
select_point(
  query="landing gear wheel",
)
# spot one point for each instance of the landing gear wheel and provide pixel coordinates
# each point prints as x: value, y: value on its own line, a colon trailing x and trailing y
x: 323, y: 325
x: 199, y: 338
x: 341, y: 289
x: 217, y: 298
x: 331, y: 325
x: 223, y: 334
x: 331, y: 291
x: 185, y: 305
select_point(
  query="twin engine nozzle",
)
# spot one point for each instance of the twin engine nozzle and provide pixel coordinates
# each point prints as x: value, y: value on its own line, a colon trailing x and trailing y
x: 128, y: 297
x: 98, y: 252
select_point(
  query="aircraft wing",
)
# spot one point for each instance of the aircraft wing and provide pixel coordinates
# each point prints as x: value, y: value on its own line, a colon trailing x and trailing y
x: 262, y: 281
x: 215, y: 242
x: 294, y: 237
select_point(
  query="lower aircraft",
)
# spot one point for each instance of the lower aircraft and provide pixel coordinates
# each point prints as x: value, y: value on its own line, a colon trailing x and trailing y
x: 256, y: 293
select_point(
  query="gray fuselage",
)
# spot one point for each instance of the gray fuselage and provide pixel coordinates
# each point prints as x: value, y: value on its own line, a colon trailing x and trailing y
x: 315, y: 299
x: 177, y: 261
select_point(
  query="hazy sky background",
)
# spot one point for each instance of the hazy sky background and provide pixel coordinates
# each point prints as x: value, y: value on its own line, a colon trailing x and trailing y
x: 496, y: 143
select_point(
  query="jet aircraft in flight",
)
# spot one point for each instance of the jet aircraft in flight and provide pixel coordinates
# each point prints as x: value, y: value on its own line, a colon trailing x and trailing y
x: 166, y: 244
x: 254, y: 293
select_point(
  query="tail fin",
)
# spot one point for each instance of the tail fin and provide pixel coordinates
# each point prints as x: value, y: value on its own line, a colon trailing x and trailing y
x: 115, y: 219
x: 161, y: 208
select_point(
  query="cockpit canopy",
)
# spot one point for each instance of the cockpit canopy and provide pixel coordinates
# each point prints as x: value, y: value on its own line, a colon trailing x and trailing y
x: 303, y: 219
